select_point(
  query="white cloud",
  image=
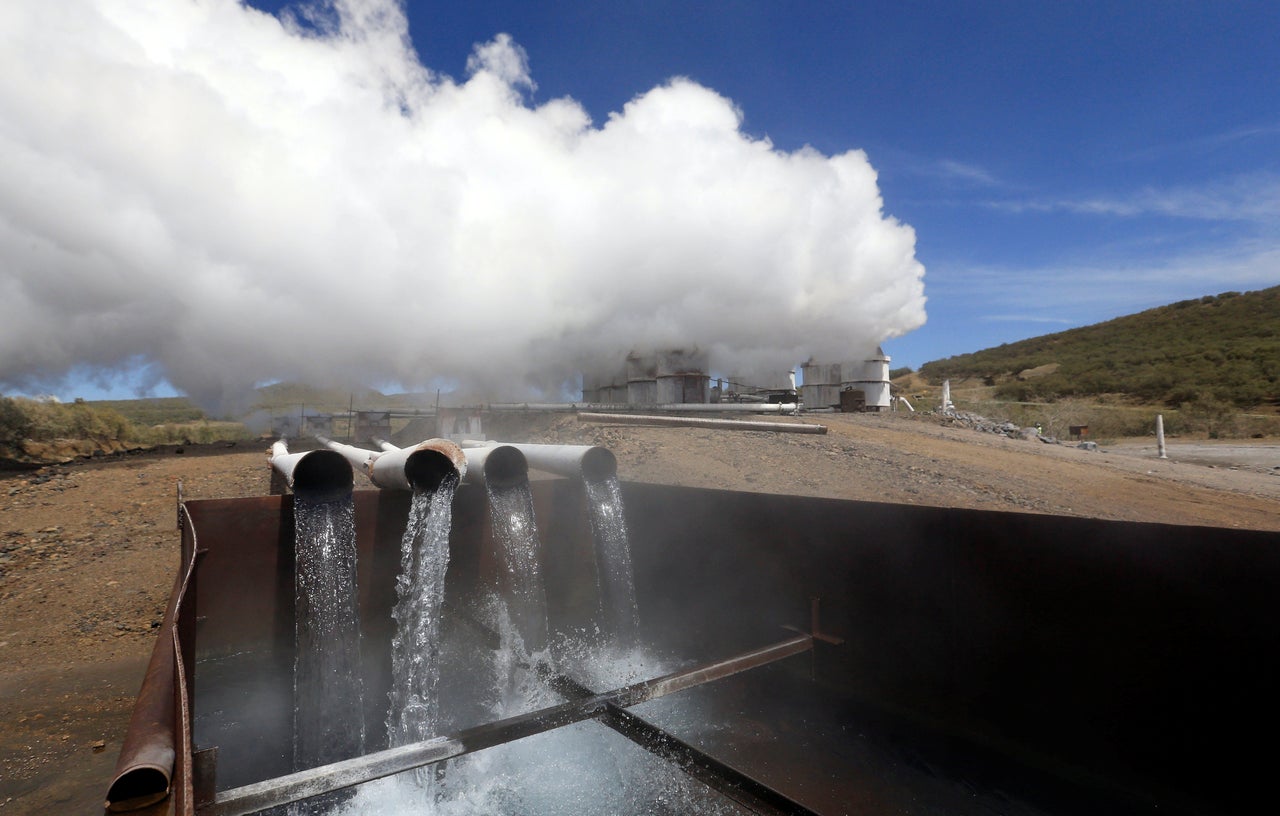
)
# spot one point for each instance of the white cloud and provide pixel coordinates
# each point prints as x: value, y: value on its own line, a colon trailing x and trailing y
x: 234, y: 199
x: 1247, y: 198
x: 967, y: 173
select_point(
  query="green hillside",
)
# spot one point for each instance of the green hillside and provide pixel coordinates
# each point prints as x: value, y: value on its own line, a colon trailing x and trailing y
x: 154, y: 410
x: 1223, y: 348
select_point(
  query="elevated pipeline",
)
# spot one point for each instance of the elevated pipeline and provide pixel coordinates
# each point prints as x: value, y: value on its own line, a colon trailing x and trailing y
x: 589, y: 462
x: 421, y: 467
x: 703, y: 422
x: 787, y: 408
x: 313, y: 472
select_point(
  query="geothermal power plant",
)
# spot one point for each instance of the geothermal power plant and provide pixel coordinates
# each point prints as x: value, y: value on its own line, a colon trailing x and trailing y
x: 679, y: 377
x: 480, y: 626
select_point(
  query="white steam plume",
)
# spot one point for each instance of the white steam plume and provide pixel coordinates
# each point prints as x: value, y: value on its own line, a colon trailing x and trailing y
x: 233, y: 199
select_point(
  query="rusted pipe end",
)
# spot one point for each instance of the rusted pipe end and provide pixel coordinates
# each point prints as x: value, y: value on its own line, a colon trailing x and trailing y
x: 422, y: 467
x: 322, y: 471
x: 599, y: 464
x: 432, y: 461
x: 138, y: 787
x: 426, y: 469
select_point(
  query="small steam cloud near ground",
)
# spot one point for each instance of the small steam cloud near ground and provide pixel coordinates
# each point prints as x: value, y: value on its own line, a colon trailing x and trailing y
x: 231, y: 198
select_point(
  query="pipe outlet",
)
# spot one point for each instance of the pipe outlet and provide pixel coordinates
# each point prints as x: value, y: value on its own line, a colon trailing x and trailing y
x: 422, y: 467
x: 496, y: 465
x: 314, y: 472
x: 590, y: 462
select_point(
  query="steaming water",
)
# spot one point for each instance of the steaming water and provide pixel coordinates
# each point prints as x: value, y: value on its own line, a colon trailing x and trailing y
x: 583, y: 769
x: 414, y: 713
x: 580, y: 769
x: 328, y: 692
x: 619, y: 615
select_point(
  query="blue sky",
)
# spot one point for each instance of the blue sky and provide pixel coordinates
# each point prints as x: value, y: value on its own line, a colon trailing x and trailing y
x: 1060, y: 163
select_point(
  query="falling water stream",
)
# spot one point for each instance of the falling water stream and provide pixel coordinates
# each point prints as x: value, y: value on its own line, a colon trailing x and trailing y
x: 580, y: 769
x: 520, y: 576
x: 414, y: 713
x: 619, y: 615
x: 328, y: 690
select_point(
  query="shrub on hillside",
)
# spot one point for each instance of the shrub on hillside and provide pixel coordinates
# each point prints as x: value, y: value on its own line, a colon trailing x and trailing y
x: 1226, y: 347
x: 44, y: 421
x: 15, y: 425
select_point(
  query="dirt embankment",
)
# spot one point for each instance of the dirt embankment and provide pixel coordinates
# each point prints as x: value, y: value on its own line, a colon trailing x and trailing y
x: 88, y: 551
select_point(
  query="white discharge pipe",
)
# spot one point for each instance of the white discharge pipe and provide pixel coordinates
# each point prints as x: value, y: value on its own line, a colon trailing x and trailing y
x: 590, y: 462
x: 493, y: 464
x: 497, y: 465
x: 317, y: 471
x: 421, y: 467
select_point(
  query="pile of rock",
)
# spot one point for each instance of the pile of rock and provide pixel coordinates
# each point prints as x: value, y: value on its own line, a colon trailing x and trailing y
x: 1012, y: 430
x: 977, y: 422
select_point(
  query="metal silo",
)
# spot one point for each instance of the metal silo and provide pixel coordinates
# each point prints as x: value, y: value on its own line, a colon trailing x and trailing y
x: 871, y: 377
x: 682, y: 377
x: 821, y: 386
x: 642, y: 379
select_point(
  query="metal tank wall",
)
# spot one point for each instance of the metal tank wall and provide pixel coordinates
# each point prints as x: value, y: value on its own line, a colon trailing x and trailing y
x: 825, y: 382
x: 642, y: 379
x: 1132, y: 661
x: 591, y: 385
x: 821, y: 385
x: 608, y: 387
x: 1138, y: 656
x: 682, y: 377
x: 871, y: 376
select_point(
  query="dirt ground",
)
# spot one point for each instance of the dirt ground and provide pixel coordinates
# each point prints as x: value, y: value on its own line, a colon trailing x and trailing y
x: 88, y: 551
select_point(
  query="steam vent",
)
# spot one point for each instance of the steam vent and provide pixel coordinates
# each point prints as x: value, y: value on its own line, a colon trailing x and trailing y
x: 465, y: 637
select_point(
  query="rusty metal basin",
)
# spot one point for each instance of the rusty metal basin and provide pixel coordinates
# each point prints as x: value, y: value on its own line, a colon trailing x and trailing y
x: 969, y: 661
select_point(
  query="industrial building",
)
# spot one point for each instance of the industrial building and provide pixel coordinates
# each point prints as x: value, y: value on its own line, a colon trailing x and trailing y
x: 681, y: 376
x: 849, y: 386
x: 773, y: 386
x: 668, y: 377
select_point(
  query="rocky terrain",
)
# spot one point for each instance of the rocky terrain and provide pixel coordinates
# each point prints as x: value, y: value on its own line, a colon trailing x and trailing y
x: 88, y: 551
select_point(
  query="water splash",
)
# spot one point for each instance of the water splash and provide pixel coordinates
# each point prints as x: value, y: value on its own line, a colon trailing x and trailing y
x: 579, y: 769
x: 583, y: 769
x: 619, y: 614
x: 328, y: 687
x: 414, y: 712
